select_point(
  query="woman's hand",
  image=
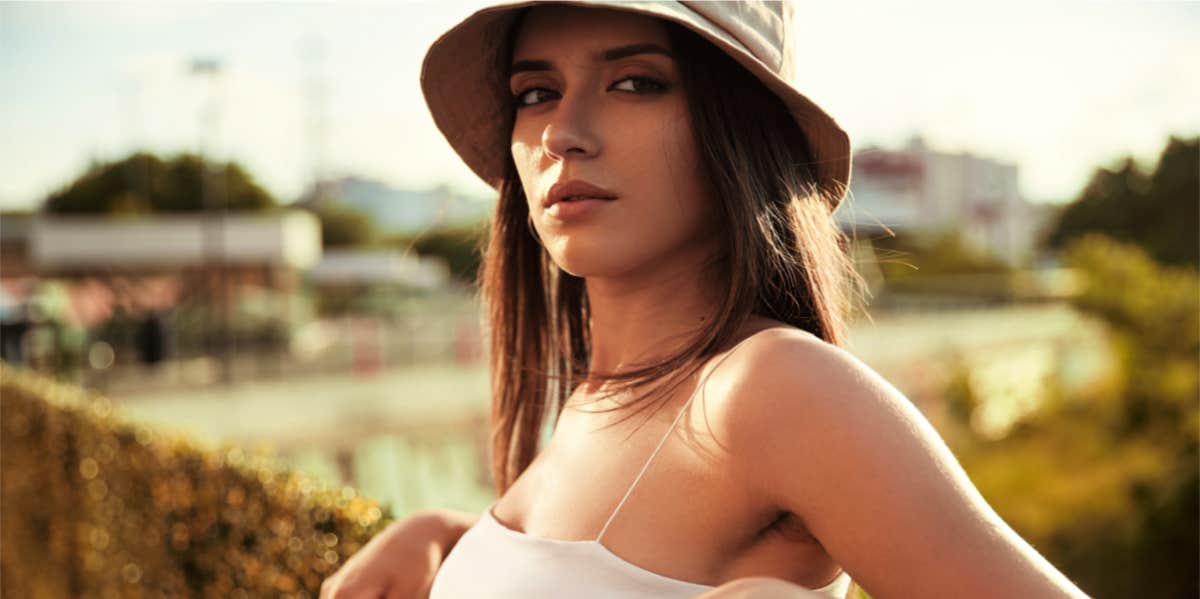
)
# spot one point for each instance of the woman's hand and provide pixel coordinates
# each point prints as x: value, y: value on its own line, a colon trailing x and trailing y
x: 401, y: 561
x: 759, y: 587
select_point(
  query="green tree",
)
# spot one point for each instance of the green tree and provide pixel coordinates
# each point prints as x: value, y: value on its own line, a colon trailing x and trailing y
x: 344, y: 226
x: 1153, y: 313
x: 1105, y: 480
x: 459, y: 245
x: 1159, y: 211
x: 144, y: 183
x: 905, y: 255
x: 1170, y: 233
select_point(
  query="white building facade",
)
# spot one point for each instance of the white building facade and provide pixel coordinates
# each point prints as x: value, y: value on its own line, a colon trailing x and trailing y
x: 922, y: 191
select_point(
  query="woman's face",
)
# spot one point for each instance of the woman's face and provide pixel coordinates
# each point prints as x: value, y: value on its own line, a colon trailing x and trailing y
x: 599, y: 102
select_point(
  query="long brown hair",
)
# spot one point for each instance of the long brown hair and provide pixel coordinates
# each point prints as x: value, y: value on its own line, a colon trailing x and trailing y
x: 783, y: 257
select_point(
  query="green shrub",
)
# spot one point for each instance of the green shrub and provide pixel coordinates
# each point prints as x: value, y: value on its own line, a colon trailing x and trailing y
x: 1105, y: 484
x: 97, y: 507
x: 458, y: 245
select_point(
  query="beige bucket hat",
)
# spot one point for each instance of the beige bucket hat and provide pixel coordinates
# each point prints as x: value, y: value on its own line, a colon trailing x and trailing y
x: 466, y: 96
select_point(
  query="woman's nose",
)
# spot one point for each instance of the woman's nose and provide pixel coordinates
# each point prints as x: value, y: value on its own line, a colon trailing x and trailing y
x: 571, y: 129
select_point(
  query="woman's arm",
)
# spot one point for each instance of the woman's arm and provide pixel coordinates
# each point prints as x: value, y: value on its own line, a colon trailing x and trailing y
x: 402, y: 560
x: 823, y: 436
x: 455, y: 523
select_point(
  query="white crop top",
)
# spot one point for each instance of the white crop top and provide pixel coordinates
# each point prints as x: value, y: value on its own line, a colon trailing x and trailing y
x: 493, y: 561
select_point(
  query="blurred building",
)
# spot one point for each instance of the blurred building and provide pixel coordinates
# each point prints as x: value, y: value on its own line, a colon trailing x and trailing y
x: 374, y: 282
x: 918, y: 190
x: 396, y: 210
x: 153, y: 262
x: 237, y: 273
x: 380, y: 267
x: 14, y: 244
x: 64, y: 245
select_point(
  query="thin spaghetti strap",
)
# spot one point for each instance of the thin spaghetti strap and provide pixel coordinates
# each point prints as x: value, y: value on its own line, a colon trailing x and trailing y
x: 662, y: 442
x: 644, y: 467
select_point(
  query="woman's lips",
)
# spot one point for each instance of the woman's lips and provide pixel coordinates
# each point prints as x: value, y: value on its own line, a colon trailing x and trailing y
x: 576, y: 188
x: 573, y: 210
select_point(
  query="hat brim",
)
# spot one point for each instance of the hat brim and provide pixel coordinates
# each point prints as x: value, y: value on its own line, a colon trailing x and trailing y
x: 464, y: 93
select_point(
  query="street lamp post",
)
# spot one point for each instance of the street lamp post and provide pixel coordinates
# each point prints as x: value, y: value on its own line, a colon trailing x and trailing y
x: 214, y: 210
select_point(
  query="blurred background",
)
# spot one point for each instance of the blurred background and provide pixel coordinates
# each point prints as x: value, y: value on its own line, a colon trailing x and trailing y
x: 236, y: 227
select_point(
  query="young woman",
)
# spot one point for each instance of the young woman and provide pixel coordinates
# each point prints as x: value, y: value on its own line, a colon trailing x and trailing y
x: 666, y: 286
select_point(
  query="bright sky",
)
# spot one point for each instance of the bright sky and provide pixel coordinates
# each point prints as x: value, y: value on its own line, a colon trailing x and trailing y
x: 1058, y: 88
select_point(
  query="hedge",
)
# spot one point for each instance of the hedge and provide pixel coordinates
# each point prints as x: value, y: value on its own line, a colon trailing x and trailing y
x: 95, y: 506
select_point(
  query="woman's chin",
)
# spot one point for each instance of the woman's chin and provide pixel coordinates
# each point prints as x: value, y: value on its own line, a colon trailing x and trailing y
x: 583, y: 268
x: 598, y: 260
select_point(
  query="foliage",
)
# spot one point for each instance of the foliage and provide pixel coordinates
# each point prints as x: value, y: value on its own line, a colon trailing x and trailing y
x: 906, y: 255
x: 97, y: 507
x: 143, y: 183
x: 343, y: 225
x: 941, y: 264
x: 1105, y: 484
x: 1154, y: 313
x: 459, y: 245
x: 1159, y: 211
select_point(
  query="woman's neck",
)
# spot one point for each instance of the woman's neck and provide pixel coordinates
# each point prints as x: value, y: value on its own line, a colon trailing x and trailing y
x: 638, y: 319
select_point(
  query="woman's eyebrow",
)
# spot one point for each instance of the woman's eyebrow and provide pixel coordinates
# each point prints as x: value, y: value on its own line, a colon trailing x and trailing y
x: 606, y: 55
x: 635, y: 49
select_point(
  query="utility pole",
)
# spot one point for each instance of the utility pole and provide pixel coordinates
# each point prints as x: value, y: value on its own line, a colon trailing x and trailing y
x: 214, y: 204
x: 317, y: 98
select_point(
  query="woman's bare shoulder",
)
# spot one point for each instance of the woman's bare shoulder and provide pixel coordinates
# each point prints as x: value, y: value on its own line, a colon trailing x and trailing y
x: 768, y: 344
x: 781, y: 381
x: 758, y: 334
x: 772, y: 365
x: 815, y: 432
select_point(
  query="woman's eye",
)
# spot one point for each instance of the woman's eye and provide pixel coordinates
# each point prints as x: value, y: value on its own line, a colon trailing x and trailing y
x: 633, y: 84
x: 639, y: 85
x: 528, y: 97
